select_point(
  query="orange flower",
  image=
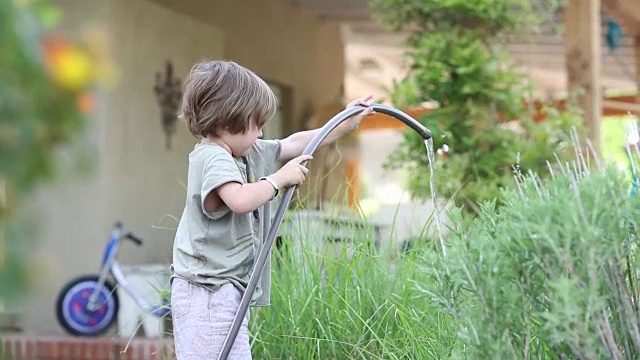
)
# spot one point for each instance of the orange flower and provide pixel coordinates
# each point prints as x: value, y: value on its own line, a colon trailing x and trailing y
x: 86, y: 102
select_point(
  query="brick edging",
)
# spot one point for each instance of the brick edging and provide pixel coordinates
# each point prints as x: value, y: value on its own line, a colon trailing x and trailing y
x: 24, y: 347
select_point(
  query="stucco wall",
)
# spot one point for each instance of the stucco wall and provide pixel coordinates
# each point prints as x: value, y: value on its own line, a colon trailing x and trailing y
x: 135, y: 180
x: 280, y: 43
x: 146, y: 181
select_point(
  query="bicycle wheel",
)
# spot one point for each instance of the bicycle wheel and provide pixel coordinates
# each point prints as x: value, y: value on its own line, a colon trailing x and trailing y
x: 73, y: 314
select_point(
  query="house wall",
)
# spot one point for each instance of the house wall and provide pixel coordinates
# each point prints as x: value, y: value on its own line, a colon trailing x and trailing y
x: 134, y: 178
x: 280, y: 43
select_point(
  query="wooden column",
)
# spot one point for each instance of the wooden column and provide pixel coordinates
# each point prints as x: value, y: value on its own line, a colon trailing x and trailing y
x: 583, y: 50
x: 637, y: 53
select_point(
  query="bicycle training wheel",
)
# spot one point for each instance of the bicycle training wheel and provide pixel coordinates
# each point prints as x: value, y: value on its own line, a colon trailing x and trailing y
x: 75, y: 316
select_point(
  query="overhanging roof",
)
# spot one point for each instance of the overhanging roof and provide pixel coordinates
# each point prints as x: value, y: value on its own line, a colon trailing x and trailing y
x: 341, y: 10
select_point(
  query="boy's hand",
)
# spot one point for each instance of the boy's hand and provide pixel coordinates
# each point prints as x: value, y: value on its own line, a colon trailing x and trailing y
x: 292, y: 173
x: 366, y: 101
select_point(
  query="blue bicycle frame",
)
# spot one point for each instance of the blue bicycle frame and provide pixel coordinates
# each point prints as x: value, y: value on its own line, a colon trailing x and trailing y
x: 110, y: 265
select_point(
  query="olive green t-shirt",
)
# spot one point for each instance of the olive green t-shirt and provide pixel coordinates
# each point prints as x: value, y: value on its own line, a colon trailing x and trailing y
x: 218, y: 247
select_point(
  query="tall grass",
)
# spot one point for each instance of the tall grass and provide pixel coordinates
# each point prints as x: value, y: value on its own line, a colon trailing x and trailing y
x: 354, y: 303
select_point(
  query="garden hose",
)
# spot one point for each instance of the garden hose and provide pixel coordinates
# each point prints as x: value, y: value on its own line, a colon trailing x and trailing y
x: 286, y: 199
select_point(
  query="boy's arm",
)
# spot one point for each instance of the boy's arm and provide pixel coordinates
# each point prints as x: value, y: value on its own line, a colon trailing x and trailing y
x: 240, y: 198
x: 244, y: 198
x: 293, y: 145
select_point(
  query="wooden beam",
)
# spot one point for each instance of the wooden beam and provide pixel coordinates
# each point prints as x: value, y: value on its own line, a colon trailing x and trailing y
x: 583, y: 44
x: 626, y: 12
x: 622, y: 106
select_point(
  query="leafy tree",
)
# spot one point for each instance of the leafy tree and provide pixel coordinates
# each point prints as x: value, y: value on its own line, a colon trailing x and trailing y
x: 459, y: 61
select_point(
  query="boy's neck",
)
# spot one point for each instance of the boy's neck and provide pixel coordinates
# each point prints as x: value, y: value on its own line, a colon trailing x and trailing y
x: 216, y: 140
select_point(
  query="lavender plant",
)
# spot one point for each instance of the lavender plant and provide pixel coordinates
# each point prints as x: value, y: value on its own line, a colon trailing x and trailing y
x: 550, y: 274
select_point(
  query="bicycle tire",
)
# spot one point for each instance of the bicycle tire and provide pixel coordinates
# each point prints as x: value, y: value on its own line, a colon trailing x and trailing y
x: 72, y: 313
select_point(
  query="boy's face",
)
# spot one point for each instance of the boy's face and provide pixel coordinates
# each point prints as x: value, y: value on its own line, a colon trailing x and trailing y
x: 241, y: 143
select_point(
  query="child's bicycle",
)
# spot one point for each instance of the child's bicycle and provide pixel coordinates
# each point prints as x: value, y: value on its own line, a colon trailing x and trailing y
x: 88, y: 305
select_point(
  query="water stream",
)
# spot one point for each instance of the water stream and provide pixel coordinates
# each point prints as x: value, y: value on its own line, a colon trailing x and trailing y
x: 432, y: 184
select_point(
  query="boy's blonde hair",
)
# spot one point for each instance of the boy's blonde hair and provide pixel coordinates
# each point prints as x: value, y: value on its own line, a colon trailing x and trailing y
x: 225, y: 95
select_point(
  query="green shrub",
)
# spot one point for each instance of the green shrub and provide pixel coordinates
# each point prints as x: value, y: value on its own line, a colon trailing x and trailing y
x: 46, y: 84
x: 460, y: 61
x: 550, y: 274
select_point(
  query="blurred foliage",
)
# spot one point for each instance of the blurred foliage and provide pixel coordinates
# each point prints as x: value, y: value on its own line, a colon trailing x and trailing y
x: 459, y: 61
x: 46, y: 82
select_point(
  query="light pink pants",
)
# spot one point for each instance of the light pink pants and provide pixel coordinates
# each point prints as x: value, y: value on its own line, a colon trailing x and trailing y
x: 202, y: 319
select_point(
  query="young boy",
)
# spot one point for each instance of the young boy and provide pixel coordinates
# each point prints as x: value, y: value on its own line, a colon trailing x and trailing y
x: 232, y: 177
